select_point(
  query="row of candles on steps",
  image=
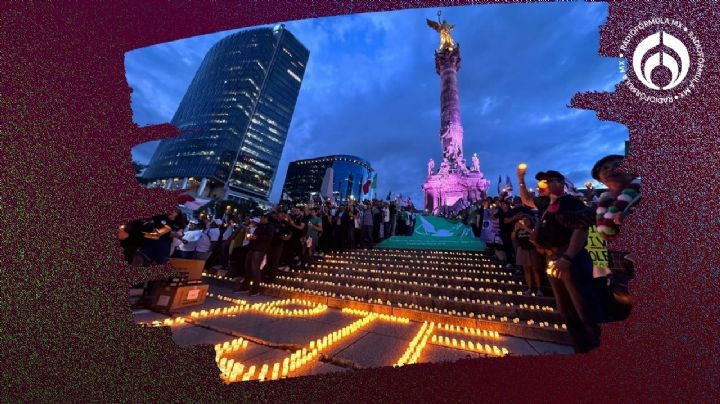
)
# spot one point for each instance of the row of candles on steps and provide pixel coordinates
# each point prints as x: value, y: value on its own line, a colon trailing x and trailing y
x: 234, y: 371
x: 481, y: 316
x: 446, y: 262
x: 418, y: 294
x: 415, y: 283
x: 365, y: 267
x: 442, y: 255
x: 422, y: 264
x: 463, y: 277
x: 425, y: 257
x: 418, y: 259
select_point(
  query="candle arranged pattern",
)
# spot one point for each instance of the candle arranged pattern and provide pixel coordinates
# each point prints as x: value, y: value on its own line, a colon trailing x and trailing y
x: 232, y: 370
x: 416, y: 346
x: 467, y: 286
x: 445, y: 291
x: 473, y: 346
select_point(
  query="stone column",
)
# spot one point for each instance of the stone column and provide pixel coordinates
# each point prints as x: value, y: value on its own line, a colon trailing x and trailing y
x: 168, y: 183
x: 201, y: 188
x: 184, y: 183
x: 447, y: 64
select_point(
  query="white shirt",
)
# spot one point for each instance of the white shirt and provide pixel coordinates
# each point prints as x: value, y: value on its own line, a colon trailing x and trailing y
x: 386, y: 214
x: 192, y: 237
x: 214, y: 234
x: 203, y: 244
x: 228, y: 232
x: 176, y: 242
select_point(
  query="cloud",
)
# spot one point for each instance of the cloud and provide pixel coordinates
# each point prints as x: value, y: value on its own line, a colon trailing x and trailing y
x: 558, y: 117
x: 370, y: 89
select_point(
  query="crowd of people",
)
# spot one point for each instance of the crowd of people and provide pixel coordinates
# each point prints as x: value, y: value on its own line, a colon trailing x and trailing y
x: 545, y: 234
x: 542, y: 234
x: 250, y: 249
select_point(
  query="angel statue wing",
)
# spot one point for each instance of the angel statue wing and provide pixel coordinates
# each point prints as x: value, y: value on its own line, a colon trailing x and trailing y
x: 434, y: 25
x: 444, y: 28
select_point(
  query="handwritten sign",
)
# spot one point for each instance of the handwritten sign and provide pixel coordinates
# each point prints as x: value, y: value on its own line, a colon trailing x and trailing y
x: 597, y: 247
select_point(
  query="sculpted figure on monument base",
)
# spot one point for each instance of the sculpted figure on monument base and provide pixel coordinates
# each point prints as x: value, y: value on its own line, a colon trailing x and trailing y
x: 475, y: 163
x: 430, y: 167
x: 444, y: 167
x: 462, y: 164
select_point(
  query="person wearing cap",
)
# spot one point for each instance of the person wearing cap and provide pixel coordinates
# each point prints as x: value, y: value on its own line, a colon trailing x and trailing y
x: 569, y: 264
x: 261, y: 242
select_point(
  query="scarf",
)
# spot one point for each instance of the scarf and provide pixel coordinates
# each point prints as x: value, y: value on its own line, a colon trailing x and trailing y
x: 612, y: 204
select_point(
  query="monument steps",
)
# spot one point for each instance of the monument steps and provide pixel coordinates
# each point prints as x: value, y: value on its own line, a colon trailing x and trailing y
x: 427, y: 286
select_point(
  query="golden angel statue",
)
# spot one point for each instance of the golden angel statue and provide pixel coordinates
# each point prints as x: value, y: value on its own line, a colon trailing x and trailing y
x: 444, y: 28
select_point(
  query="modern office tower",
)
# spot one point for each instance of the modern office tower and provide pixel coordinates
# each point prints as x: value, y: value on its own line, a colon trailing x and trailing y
x: 349, y: 175
x: 234, y: 117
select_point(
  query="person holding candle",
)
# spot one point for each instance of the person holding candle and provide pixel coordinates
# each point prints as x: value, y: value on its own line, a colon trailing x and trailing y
x: 563, y: 242
x: 539, y: 202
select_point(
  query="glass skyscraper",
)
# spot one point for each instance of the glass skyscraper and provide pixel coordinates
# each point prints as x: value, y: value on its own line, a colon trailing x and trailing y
x: 234, y: 117
x: 350, y: 173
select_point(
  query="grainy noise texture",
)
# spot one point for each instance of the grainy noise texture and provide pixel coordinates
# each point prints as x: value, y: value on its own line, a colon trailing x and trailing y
x: 67, y: 182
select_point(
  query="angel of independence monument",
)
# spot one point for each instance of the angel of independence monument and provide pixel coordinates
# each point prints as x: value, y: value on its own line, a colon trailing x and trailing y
x: 453, y: 186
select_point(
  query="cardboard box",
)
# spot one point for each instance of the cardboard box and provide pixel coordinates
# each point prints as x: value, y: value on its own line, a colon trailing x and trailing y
x: 168, y: 298
x: 194, y: 268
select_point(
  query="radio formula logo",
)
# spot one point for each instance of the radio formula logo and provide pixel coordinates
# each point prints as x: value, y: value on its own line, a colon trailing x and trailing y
x: 665, y: 57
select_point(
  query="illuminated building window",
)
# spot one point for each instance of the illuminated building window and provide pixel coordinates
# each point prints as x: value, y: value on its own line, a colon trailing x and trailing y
x: 295, y: 76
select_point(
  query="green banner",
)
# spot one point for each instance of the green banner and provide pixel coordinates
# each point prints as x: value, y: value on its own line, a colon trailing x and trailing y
x: 436, y: 233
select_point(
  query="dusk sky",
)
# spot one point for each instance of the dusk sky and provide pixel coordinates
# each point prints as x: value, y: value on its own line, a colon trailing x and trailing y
x: 371, y: 90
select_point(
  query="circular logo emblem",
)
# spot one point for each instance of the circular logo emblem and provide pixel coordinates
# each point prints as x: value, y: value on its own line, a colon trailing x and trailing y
x: 666, y: 60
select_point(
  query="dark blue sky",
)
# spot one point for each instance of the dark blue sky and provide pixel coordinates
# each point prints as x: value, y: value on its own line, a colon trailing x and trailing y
x: 371, y: 90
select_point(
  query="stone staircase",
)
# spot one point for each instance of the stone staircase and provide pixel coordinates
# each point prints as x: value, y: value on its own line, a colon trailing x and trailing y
x: 468, y: 289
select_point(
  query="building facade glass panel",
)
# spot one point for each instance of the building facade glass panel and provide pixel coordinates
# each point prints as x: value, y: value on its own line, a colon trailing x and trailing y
x: 235, y: 116
x: 350, y: 173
